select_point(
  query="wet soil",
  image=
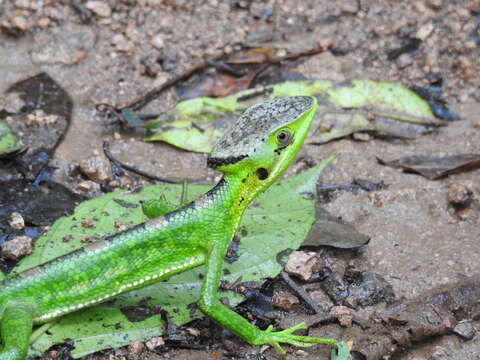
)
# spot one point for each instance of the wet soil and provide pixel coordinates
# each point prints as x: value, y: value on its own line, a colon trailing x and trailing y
x: 97, y: 53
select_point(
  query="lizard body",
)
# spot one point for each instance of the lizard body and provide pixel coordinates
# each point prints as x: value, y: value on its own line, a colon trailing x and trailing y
x: 251, y: 155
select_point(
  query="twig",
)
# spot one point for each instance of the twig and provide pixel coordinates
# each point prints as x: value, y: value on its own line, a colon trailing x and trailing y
x: 143, y: 100
x: 300, y: 292
x: 108, y: 154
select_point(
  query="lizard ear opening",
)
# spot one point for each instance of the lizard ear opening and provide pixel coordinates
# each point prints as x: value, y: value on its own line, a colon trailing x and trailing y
x: 262, y: 173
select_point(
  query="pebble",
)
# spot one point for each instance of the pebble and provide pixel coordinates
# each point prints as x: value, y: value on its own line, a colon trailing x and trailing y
x: 43, y: 22
x: 459, y: 194
x: 95, y: 169
x: 17, y: 247
x: 424, y: 31
x: 285, y: 301
x: 301, y: 264
x: 158, y: 41
x: 38, y: 118
x: 19, y: 22
x: 404, y: 60
x: 136, y: 347
x: 435, y: 4
x: 17, y: 221
x: 361, y: 136
x: 155, y: 342
x: 465, y: 329
x: 382, y: 197
x: 343, y: 314
x: 100, y: 8
x: 88, y: 185
x: 121, y: 43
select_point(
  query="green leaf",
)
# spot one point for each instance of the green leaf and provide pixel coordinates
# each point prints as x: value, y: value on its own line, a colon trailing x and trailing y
x: 8, y: 142
x: 273, y: 226
x: 359, y: 105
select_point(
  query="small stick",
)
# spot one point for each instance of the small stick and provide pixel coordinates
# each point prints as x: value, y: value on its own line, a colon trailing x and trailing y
x: 300, y: 292
x: 108, y: 154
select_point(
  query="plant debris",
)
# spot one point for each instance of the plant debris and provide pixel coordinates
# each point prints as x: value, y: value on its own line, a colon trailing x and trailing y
x: 435, y: 313
x: 435, y: 167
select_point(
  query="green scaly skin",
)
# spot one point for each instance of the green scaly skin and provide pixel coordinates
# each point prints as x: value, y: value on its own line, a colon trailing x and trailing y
x: 252, y: 155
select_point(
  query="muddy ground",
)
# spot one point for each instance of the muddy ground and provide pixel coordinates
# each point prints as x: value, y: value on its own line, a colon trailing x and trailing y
x: 98, y: 51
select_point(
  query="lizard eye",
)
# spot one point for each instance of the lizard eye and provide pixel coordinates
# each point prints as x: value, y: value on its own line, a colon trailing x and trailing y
x: 284, y: 137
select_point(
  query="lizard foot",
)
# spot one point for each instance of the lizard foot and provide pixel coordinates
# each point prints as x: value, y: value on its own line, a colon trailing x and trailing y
x: 340, y: 350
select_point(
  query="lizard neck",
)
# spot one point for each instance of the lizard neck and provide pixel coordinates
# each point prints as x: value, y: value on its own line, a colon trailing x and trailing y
x: 233, y: 192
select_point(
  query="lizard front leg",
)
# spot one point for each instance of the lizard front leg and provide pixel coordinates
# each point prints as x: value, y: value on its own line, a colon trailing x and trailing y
x: 15, y: 330
x: 210, y: 304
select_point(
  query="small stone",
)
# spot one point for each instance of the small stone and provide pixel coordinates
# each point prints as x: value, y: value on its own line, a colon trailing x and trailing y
x: 17, y: 247
x: 16, y: 221
x: 285, y: 301
x: 301, y: 264
x: 404, y: 60
x: 343, y: 314
x: 23, y: 4
x: 100, y: 8
x: 325, y: 126
x: 381, y: 198
x: 463, y: 14
x: 349, y: 7
x: 39, y: 118
x: 19, y: 22
x: 121, y: 43
x: 459, y: 194
x: 155, y: 342
x: 477, y: 125
x: 154, y: 3
x: 88, y: 185
x: 361, y: 136
x: 465, y: 329
x: 325, y: 43
x: 435, y: 4
x: 158, y: 41
x: 43, y: 22
x: 95, y: 169
x: 136, y: 347
x: 193, y: 331
x: 132, y: 33
x: 424, y: 31
x: 122, y: 182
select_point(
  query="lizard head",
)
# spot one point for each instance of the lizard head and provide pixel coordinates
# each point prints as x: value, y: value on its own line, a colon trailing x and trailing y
x: 264, y: 141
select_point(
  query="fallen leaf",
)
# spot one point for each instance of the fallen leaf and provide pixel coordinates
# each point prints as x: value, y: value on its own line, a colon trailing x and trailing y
x: 434, y: 167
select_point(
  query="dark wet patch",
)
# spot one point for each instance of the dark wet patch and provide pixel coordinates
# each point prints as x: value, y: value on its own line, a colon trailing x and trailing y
x: 140, y: 312
x: 40, y: 93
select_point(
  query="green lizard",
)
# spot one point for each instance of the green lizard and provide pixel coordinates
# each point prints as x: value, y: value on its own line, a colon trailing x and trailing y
x: 251, y: 155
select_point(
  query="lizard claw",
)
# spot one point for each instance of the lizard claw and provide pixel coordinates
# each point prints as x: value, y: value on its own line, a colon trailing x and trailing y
x: 340, y: 350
